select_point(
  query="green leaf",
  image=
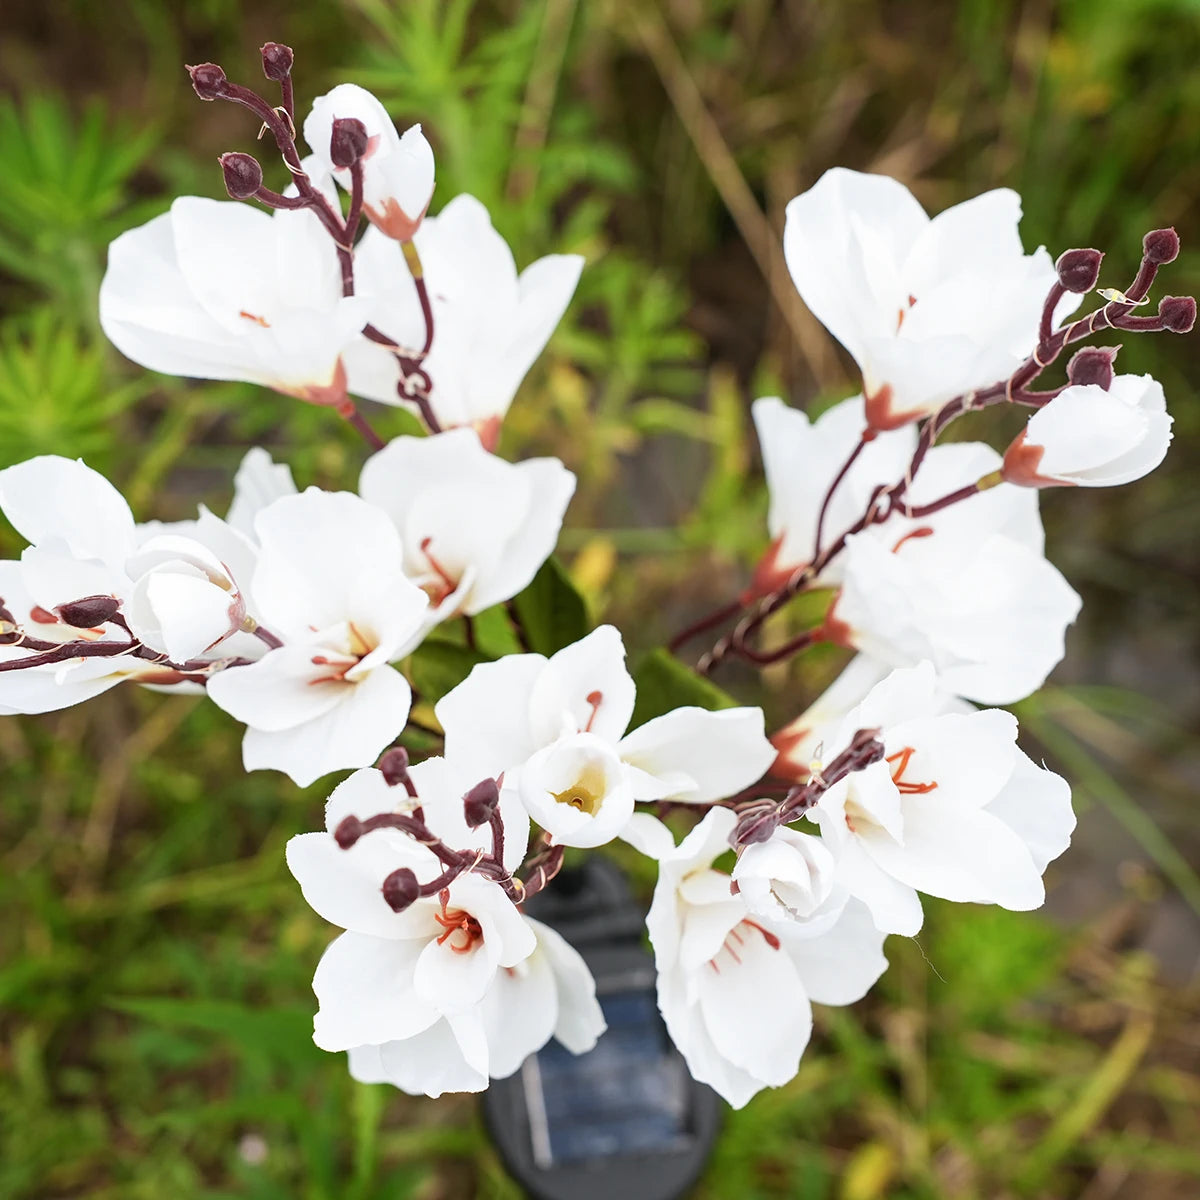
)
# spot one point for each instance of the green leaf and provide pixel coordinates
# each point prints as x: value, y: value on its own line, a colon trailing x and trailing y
x: 438, y: 667
x: 664, y: 683
x: 552, y: 613
x: 279, y: 1033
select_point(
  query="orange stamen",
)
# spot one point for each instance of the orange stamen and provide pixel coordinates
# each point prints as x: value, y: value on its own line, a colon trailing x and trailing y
x: 922, y: 531
x: 262, y: 322
x: 449, y: 583
x: 595, y: 699
x: 768, y: 936
x: 902, y: 785
x: 452, y: 920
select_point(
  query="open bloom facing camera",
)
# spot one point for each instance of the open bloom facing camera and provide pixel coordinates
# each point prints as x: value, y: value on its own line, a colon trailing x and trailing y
x: 556, y: 729
x: 421, y: 634
x: 455, y: 987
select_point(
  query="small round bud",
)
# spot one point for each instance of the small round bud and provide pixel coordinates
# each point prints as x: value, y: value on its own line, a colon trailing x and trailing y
x: 209, y: 81
x: 1161, y: 246
x: 756, y: 824
x: 243, y: 174
x: 400, y: 889
x: 277, y: 61
x: 394, y: 766
x: 1093, y: 365
x: 348, y: 832
x: 480, y: 802
x: 1079, y: 270
x: 348, y: 141
x: 1177, y: 313
x: 88, y: 612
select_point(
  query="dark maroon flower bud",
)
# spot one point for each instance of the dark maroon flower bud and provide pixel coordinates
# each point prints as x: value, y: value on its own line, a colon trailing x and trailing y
x: 243, y: 174
x: 755, y: 825
x: 400, y: 889
x: 277, y: 61
x: 348, y: 142
x: 394, y: 766
x: 1161, y: 246
x: 1078, y: 270
x: 1093, y: 364
x: 89, y: 612
x: 209, y: 81
x: 1177, y: 313
x: 480, y: 802
x: 348, y: 832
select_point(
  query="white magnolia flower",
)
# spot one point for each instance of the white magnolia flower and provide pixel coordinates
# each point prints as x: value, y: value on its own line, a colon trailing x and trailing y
x: 1092, y: 437
x: 475, y: 528
x: 397, y: 169
x: 556, y: 729
x: 954, y: 810
x: 966, y: 588
x: 180, y: 599
x: 490, y: 323
x: 458, y: 987
x: 330, y: 584
x: 735, y: 986
x: 928, y: 308
x: 801, y: 459
x: 218, y: 290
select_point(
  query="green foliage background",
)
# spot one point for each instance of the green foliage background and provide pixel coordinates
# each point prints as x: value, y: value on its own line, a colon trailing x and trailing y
x: 155, y: 958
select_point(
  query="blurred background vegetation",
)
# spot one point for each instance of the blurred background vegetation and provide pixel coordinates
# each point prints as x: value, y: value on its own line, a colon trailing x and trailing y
x: 155, y: 957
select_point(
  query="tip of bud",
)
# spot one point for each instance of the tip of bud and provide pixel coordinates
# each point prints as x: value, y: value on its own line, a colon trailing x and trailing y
x: 756, y: 824
x: 1161, y: 246
x: 400, y: 889
x: 243, y: 174
x: 88, y: 612
x: 1093, y: 365
x: 1079, y: 270
x: 1177, y: 313
x: 277, y: 61
x: 348, y: 832
x: 394, y: 766
x: 209, y: 81
x: 348, y: 141
x: 480, y: 802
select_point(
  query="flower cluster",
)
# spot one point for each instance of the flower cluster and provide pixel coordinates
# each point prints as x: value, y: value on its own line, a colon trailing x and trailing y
x: 301, y: 613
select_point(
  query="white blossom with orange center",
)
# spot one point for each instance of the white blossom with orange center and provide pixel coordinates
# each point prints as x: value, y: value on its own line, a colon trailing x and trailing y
x: 219, y: 290
x: 954, y: 809
x: 928, y: 308
x: 458, y: 988
x: 330, y: 584
x: 555, y: 727
x: 475, y: 528
x: 735, y: 983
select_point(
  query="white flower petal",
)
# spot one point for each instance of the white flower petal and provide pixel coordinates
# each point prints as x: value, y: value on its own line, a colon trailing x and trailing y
x: 586, y: 684
x: 703, y: 755
x: 365, y: 989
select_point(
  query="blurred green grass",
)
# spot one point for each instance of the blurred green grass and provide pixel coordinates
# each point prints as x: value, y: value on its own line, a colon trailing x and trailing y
x: 156, y: 957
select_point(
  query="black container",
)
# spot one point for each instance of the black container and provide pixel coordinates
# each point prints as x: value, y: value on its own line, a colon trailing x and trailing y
x: 626, y: 1120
